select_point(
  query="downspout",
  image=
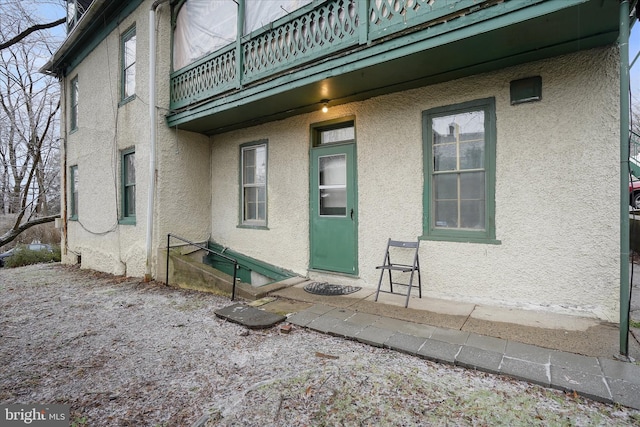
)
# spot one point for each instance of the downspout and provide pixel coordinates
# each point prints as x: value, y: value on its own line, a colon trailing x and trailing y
x: 152, y: 134
x: 623, y: 42
x: 63, y: 187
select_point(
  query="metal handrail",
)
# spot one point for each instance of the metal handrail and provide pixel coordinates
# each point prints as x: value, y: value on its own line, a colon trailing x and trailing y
x: 233, y: 261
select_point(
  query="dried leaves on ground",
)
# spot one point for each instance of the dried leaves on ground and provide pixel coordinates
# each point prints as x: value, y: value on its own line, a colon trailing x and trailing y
x: 125, y: 353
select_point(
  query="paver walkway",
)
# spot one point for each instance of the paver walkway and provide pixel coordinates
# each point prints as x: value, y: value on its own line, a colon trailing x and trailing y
x: 597, y: 378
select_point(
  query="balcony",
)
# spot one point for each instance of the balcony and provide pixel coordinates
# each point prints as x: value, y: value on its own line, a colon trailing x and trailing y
x: 350, y: 50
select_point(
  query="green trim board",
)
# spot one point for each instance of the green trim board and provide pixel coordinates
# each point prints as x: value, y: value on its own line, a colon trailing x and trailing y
x: 459, y: 155
x: 248, y: 264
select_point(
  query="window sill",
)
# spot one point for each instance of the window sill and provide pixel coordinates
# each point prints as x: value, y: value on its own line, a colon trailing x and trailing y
x: 254, y: 226
x: 462, y: 239
x: 127, y: 221
x: 126, y: 100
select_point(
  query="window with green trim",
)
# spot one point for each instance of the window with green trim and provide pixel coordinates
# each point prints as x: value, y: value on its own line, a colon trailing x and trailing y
x: 73, y: 179
x: 459, y: 159
x: 128, y: 62
x: 74, y: 103
x: 128, y: 186
x: 253, y: 171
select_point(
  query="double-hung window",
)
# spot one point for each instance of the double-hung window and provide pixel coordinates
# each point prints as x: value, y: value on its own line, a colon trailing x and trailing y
x: 73, y: 172
x: 128, y: 186
x: 74, y: 103
x: 459, y: 159
x: 128, y: 61
x: 253, y: 171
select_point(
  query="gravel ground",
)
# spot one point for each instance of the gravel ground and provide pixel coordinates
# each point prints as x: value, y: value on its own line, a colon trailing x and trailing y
x: 125, y: 353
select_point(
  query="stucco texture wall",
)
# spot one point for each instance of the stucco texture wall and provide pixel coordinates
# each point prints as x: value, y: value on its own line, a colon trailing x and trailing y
x: 556, y: 200
x: 105, y: 128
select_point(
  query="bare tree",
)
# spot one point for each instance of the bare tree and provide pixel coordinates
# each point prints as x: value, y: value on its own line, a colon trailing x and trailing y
x: 29, y: 108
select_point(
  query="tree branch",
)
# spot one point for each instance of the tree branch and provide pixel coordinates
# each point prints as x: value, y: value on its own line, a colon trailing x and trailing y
x: 10, y: 235
x: 30, y: 30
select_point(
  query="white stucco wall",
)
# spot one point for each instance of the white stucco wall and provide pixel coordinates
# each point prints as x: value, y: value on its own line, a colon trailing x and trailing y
x: 104, y: 129
x: 556, y: 197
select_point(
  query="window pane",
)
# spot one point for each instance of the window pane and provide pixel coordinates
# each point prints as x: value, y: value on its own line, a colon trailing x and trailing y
x: 472, y: 186
x: 249, y: 162
x: 446, y: 186
x: 262, y: 204
x: 333, y: 170
x: 74, y: 191
x: 130, y: 51
x: 261, y: 165
x: 74, y: 103
x: 444, y: 157
x: 249, y: 203
x: 472, y: 214
x: 74, y: 91
x: 130, y: 203
x: 333, y: 202
x: 472, y: 155
x: 446, y: 214
x: 130, y: 169
x: 337, y: 135
x: 130, y: 81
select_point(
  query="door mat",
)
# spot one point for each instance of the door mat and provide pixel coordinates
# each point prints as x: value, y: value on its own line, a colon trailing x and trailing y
x: 324, y: 288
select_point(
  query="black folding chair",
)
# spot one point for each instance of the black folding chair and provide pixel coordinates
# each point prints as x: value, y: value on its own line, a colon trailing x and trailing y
x: 389, y: 266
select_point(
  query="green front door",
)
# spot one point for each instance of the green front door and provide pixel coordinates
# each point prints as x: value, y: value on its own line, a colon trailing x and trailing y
x: 334, y: 210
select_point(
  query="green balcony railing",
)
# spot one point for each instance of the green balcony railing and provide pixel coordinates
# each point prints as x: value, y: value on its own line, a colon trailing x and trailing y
x: 306, y: 36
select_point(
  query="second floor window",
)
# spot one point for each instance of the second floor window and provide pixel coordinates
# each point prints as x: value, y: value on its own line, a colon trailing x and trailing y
x: 74, y: 103
x: 128, y: 48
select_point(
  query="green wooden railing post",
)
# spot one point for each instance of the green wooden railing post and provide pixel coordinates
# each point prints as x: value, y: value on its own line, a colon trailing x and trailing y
x: 239, y: 64
x: 363, y: 30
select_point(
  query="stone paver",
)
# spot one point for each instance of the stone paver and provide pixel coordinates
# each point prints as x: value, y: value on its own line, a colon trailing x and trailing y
x: 477, y: 358
x: 587, y: 384
x: 439, y: 351
x: 527, y: 371
x: 374, y: 336
x: 250, y: 317
x: 405, y: 343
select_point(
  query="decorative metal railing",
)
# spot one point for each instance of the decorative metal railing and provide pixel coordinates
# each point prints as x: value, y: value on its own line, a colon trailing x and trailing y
x: 312, y: 33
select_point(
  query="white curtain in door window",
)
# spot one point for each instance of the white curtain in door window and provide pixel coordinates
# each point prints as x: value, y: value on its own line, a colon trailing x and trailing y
x: 202, y: 27
x: 259, y: 13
